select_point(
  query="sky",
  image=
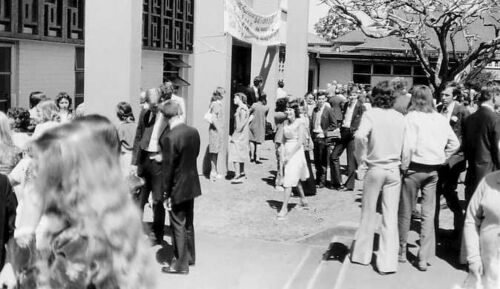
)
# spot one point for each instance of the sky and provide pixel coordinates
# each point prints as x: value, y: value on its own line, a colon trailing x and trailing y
x: 316, y: 11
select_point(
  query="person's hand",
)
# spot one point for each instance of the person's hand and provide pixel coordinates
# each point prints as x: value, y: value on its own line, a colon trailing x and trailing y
x: 476, y: 268
x: 7, y: 277
x: 167, y: 204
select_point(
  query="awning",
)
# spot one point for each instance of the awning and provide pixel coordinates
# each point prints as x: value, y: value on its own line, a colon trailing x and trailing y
x: 176, y: 62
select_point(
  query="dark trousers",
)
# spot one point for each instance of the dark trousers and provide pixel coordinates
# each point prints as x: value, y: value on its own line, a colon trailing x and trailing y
x: 150, y: 170
x: 320, y: 159
x: 181, y: 224
x: 447, y: 186
x: 345, y: 142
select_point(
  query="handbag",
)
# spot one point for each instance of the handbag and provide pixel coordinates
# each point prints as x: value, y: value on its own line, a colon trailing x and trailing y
x: 209, y: 117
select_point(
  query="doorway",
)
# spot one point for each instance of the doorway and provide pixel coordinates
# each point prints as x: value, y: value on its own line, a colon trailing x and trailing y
x: 241, y: 62
x: 5, y: 77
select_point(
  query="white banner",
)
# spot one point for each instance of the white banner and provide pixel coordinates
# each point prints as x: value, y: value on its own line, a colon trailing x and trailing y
x: 243, y: 23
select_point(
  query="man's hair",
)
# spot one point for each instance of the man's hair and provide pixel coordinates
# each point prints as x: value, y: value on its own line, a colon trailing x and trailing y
x: 281, y: 83
x: 383, y: 95
x: 170, y: 108
x: 257, y: 80
x: 281, y: 104
x: 487, y: 93
x: 398, y: 83
x: 36, y: 97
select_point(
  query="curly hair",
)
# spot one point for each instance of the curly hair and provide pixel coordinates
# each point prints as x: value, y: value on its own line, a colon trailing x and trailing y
x: 61, y: 96
x: 383, y: 95
x: 81, y: 180
x: 124, y: 112
x: 281, y: 104
x: 21, y: 117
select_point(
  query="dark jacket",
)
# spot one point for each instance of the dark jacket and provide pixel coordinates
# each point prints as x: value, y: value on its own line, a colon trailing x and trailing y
x: 251, y: 96
x: 337, y: 102
x: 328, y: 121
x: 143, y: 134
x: 8, y: 205
x: 180, y: 148
x: 359, y: 108
x: 458, y: 117
x: 480, y: 138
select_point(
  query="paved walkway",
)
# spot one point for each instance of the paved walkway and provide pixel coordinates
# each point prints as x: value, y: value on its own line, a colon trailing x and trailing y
x: 228, y: 262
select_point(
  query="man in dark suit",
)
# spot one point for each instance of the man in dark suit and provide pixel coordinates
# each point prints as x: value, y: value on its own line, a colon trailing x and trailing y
x: 255, y: 91
x: 450, y: 172
x: 146, y: 156
x: 180, y: 146
x: 323, y: 121
x: 481, y: 136
x: 337, y: 102
x: 352, y: 111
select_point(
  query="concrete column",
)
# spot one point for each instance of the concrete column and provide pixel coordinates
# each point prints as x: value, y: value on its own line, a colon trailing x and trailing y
x: 297, y: 60
x: 211, y: 67
x: 113, y: 32
x: 265, y: 59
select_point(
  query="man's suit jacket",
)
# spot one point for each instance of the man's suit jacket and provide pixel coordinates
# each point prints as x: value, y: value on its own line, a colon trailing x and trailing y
x: 180, y: 147
x: 359, y: 108
x: 458, y: 117
x: 143, y: 133
x: 251, y: 96
x: 337, y: 102
x: 328, y: 121
x: 481, y: 136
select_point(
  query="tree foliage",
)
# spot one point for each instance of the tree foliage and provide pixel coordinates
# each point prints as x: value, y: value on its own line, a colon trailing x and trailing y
x: 333, y: 25
x: 432, y: 29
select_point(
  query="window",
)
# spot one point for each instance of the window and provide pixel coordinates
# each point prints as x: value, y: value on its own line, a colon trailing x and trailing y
x: 362, y: 78
x: 420, y: 80
x: 417, y: 70
x: 5, y: 72
x: 362, y: 68
x: 173, y: 67
x: 401, y: 70
x: 79, y: 74
x: 382, y: 69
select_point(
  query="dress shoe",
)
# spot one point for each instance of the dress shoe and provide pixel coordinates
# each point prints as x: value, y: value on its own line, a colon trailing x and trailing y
x: 422, y: 266
x: 172, y: 270
x: 192, y: 263
x: 320, y: 185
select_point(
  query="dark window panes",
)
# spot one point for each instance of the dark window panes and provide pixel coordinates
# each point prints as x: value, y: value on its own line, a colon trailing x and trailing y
x: 79, y: 82
x: 401, y: 70
x: 361, y: 78
x: 381, y: 69
x: 417, y: 70
x: 362, y: 68
x: 4, y: 59
x: 4, y: 92
x: 420, y: 80
x: 80, y: 58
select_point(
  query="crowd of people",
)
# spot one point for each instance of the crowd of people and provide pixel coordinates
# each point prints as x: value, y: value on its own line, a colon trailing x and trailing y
x: 73, y: 187
x: 402, y: 144
x: 66, y: 224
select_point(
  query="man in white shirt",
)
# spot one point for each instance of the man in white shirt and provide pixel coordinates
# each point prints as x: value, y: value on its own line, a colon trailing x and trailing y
x: 167, y: 90
x: 280, y: 92
x: 147, y: 157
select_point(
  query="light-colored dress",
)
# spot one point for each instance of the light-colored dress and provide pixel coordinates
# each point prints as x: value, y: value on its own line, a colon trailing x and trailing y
x: 482, y: 229
x: 239, y: 149
x: 126, y: 134
x: 258, y: 124
x: 215, y: 129
x: 296, y: 167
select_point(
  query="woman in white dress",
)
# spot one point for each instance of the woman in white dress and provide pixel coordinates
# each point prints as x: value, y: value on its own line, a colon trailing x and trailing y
x: 294, y: 159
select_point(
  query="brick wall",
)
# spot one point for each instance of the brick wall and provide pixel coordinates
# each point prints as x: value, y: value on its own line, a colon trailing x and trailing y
x: 47, y: 67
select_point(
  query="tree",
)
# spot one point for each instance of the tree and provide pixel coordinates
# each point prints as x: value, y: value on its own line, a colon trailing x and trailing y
x: 333, y: 25
x: 432, y: 29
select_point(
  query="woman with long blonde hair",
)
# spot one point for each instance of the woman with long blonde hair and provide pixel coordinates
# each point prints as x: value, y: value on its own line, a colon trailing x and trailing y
x: 10, y: 155
x: 93, y: 235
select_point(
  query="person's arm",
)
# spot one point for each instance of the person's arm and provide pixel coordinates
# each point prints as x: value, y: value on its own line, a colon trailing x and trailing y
x: 168, y: 154
x: 409, y: 143
x: 495, y: 140
x: 138, y: 136
x: 216, y: 111
x: 472, y: 225
x: 11, y: 206
x: 361, y: 138
x: 453, y: 144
